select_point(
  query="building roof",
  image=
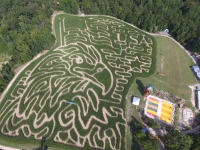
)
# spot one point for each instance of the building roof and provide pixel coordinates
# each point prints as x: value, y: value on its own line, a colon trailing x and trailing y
x: 198, y: 103
x: 150, y: 87
x: 196, y: 71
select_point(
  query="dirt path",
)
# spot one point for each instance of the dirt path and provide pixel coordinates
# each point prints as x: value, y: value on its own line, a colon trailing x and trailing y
x: 16, y: 75
x: 8, y: 148
x: 20, y: 67
x: 193, y: 87
x: 19, y: 70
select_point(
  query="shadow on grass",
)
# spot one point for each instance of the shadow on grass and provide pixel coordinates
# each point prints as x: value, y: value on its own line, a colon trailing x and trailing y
x: 134, y: 125
x: 140, y: 87
x: 43, y: 145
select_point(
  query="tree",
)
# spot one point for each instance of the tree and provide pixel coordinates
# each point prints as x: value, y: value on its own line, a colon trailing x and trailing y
x: 25, y: 56
x: 87, y: 6
x: 153, y: 123
x: 146, y: 140
x: 196, y: 142
x: 176, y: 140
x: 150, y: 144
x: 3, y: 83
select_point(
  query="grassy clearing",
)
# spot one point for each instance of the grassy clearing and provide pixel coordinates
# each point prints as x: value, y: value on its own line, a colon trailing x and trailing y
x: 175, y: 63
x: 176, y: 67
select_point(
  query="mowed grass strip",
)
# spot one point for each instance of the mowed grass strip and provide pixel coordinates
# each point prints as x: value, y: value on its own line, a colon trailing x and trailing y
x: 173, y: 61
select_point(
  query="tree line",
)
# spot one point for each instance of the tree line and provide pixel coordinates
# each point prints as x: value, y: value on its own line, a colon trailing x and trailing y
x: 173, y: 140
x: 181, y: 17
x: 26, y: 25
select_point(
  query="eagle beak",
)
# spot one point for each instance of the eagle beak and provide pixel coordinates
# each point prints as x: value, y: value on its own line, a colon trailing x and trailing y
x: 104, y: 79
x: 101, y: 78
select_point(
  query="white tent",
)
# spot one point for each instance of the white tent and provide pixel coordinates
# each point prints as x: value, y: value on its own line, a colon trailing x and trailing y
x: 167, y: 30
x: 135, y: 100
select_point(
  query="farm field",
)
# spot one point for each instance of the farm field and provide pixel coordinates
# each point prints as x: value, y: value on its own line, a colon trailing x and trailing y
x: 93, y: 64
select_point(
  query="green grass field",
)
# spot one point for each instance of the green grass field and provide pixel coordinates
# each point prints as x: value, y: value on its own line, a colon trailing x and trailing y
x: 175, y: 63
x: 94, y: 63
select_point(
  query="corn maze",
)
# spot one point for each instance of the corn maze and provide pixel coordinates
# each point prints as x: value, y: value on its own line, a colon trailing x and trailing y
x: 92, y: 65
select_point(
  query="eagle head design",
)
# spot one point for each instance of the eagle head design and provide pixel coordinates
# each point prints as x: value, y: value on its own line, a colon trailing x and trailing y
x: 86, y: 64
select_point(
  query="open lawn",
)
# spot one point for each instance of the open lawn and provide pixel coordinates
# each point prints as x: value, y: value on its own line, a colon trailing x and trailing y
x: 93, y: 64
x: 175, y: 64
x: 172, y: 61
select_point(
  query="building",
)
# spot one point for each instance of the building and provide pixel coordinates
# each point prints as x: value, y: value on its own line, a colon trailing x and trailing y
x: 196, y: 70
x: 197, y: 98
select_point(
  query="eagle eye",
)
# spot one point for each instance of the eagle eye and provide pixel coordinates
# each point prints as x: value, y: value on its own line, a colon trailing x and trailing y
x: 99, y: 70
x: 79, y: 60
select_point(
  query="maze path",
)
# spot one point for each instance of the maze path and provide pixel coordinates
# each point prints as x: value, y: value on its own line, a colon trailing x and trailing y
x: 87, y: 68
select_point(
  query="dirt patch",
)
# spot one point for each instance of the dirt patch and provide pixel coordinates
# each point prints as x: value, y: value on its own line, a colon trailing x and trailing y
x: 19, y: 68
x: 165, y: 95
x: 7, y: 148
x: 188, y: 116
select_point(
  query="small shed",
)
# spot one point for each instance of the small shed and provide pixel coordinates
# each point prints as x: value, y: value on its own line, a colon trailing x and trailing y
x: 197, y: 99
x: 135, y: 100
